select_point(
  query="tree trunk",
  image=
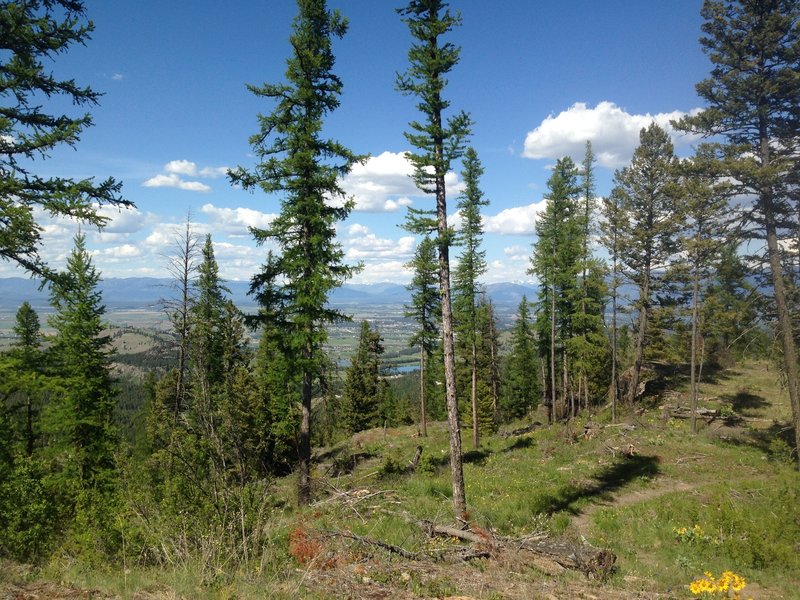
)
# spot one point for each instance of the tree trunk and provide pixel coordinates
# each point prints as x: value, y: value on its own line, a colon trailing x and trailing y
x: 786, y: 332
x: 693, y: 366
x: 456, y: 467
x: 644, y: 299
x: 781, y: 305
x: 304, y: 480
x: 423, y: 423
x: 553, y: 387
x: 475, y: 431
x: 614, y: 391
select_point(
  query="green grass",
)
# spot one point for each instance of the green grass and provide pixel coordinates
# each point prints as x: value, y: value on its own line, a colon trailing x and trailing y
x: 732, y: 479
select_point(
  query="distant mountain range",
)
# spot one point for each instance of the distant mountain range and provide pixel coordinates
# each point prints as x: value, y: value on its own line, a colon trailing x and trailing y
x: 147, y: 292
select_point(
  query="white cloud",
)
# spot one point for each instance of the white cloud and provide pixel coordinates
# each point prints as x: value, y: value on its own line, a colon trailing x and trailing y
x: 518, y: 252
x: 507, y: 270
x: 213, y: 172
x: 383, y: 183
x: 173, y: 180
x: 614, y: 133
x: 365, y: 246
x: 175, y: 170
x: 519, y: 220
x: 391, y: 270
x: 117, y: 77
x: 116, y: 253
x: 122, y: 220
x: 181, y: 167
x: 236, y: 220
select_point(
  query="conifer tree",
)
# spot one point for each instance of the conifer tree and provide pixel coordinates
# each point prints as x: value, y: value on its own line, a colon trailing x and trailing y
x: 306, y: 168
x: 706, y: 230
x: 33, y: 34
x: 520, y: 384
x: 438, y: 143
x: 471, y: 265
x: 27, y: 365
x: 364, y: 387
x: 753, y: 97
x: 81, y: 421
x: 425, y: 310
x: 556, y: 261
x: 610, y: 238
x: 646, y: 190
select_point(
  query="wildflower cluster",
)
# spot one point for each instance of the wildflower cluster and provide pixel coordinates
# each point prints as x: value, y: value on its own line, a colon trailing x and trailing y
x: 727, y: 584
x: 692, y: 535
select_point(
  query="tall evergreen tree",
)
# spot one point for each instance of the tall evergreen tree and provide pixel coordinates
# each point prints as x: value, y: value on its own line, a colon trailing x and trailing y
x: 705, y: 232
x: 471, y: 265
x: 610, y: 229
x: 28, y: 363
x: 297, y: 161
x: 425, y: 310
x: 753, y: 97
x: 646, y: 190
x: 82, y: 419
x: 364, y: 387
x: 556, y: 262
x: 438, y: 143
x: 521, y: 384
x: 33, y: 34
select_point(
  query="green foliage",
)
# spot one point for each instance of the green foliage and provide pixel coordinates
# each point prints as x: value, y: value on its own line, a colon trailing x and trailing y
x: 365, y: 391
x: 29, y: 515
x: 521, y: 380
x: 34, y: 34
x: 297, y: 161
x: 79, y: 420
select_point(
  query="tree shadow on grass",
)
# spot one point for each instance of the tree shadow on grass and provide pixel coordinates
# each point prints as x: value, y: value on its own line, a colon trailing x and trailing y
x: 519, y: 444
x: 604, y: 483
x: 743, y: 402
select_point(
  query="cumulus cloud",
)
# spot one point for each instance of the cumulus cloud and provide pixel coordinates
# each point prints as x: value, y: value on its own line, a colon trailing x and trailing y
x: 519, y: 220
x: 122, y: 220
x: 390, y: 270
x: 614, y: 133
x: 117, y: 77
x: 236, y: 221
x: 119, y: 253
x: 176, y: 170
x: 383, y: 183
x: 517, y: 252
x: 363, y: 245
x: 173, y: 180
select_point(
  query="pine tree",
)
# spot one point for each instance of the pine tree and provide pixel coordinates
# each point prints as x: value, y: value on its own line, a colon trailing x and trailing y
x: 82, y: 423
x: 438, y: 143
x: 646, y: 190
x: 297, y: 161
x: 753, y: 97
x: 471, y: 265
x: 706, y: 230
x: 610, y: 229
x: 588, y: 345
x: 520, y: 384
x: 34, y: 33
x: 28, y: 363
x: 364, y: 387
x: 425, y: 310
x: 556, y: 261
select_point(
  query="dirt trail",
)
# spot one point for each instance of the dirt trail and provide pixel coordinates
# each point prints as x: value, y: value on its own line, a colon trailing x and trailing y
x: 666, y: 486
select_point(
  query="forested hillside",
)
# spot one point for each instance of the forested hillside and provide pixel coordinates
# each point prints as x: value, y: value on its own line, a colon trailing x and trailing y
x: 632, y: 430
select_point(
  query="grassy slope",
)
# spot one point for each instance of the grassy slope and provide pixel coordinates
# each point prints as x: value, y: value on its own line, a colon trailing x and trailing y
x: 732, y: 480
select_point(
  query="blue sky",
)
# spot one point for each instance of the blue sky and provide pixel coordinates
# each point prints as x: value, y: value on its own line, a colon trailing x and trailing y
x: 539, y: 78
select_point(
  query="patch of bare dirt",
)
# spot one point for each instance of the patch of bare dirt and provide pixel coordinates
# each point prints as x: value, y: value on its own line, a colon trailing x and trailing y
x: 46, y: 591
x: 581, y: 521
